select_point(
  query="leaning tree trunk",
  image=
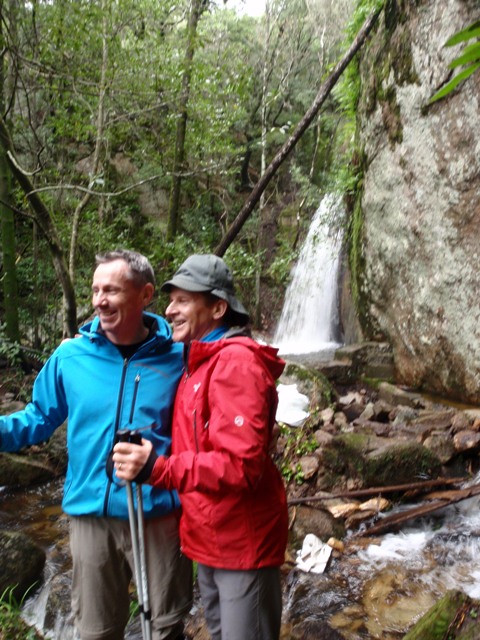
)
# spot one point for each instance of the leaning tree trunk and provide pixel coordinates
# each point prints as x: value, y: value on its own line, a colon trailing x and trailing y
x: 7, y: 227
x: 47, y: 227
x: 300, y: 129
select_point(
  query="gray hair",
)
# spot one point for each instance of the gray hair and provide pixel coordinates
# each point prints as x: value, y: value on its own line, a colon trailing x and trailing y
x: 141, y: 271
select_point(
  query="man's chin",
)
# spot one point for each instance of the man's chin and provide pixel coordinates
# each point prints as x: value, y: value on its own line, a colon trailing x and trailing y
x: 179, y: 336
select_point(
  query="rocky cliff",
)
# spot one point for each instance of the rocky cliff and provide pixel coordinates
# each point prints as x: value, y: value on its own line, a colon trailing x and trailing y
x: 417, y: 220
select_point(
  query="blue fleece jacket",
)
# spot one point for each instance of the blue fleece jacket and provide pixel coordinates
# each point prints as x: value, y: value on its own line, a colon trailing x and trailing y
x: 87, y: 382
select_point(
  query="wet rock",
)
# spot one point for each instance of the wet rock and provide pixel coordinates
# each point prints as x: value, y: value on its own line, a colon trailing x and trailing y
x: 58, y: 613
x: 400, y: 463
x: 309, y: 466
x: 25, y: 469
x: 312, y: 600
x: 396, y: 396
x: 369, y: 359
x: 337, y: 372
x: 375, y: 461
x: 401, y: 416
x: 314, y: 629
x: 392, y: 600
x: 367, y: 414
x: 472, y: 414
x: 353, y: 411
x: 317, y: 521
x: 467, y: 440
x: 380, y: 429
x: 382, y: 410
x: 340, y: 420
x: 322, y: 437
x: 425, y: 423
x: 310, y: 382
x: 460, y: 422
x: 22, y: 563
x: 442, y: 446
x: 326, y: 415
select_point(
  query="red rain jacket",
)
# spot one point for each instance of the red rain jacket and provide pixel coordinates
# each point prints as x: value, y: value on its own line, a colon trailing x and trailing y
x: 233, y: 498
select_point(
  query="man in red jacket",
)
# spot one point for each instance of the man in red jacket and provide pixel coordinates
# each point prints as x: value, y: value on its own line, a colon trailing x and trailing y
x: 235, y: 521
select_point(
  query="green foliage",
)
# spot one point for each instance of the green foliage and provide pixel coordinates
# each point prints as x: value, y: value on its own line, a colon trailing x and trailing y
x: 469, y: 58
x: 69, y: 59
x: 298, y: 442
x: 9, y: 351
x: 280, y: 269
x: 12, y: 627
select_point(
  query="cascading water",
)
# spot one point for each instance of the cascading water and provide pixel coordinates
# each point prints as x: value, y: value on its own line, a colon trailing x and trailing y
x: 309, y: 319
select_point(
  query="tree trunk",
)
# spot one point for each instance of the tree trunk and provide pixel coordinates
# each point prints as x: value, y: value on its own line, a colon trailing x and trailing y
x: 7, y: 226
x: 47, y: 227
x: 198, y: 7
x: 300, y: 129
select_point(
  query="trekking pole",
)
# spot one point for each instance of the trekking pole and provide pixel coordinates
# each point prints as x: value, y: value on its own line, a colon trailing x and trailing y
x: 137, y: 533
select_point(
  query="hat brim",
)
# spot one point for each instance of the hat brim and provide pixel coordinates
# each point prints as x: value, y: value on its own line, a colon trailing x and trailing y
x: 185, y: 283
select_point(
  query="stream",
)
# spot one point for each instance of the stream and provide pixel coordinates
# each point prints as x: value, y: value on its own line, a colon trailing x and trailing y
x: 376, y: 589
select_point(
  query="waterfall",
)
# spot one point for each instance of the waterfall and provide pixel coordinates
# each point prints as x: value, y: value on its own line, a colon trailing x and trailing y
x: 309, y: 319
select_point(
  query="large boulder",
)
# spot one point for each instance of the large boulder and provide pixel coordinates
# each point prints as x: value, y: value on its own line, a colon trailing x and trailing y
x: 375, y: 461
x: 416, y: 222
x: 22, y: 563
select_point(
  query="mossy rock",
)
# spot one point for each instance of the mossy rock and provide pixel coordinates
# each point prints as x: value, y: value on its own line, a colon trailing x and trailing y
x: 23, y: 470
x: 374, y: 461
x: 400, y: 464
x: 455, y: 616
x: 311, y: 382
x: 22, y: 563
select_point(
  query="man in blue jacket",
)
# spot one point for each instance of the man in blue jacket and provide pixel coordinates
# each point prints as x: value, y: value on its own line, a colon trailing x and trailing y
x: 122, y: 373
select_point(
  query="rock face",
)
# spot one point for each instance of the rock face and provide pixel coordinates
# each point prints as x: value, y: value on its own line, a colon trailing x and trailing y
x: 417, y: 221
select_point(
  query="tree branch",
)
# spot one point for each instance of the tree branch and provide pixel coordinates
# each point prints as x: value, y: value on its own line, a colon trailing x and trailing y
x: 300, y: 129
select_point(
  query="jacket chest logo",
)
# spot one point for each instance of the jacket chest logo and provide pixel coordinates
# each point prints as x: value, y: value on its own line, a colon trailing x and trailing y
x: 196, y: 387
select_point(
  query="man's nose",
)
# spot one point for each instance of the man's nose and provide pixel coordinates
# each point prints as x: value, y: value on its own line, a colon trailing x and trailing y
x: 170, y: 310
x: 99, y: 299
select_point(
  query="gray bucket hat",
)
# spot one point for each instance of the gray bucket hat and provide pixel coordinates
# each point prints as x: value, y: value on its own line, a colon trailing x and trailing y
x: 208, y: 273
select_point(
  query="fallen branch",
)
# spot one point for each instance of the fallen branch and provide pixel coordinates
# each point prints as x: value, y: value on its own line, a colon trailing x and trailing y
x: 415, y: 487
x: 441, y: 501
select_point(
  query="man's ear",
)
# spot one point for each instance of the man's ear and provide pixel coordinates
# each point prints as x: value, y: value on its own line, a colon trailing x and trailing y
x: 148, y: 291
x: 219, y: 309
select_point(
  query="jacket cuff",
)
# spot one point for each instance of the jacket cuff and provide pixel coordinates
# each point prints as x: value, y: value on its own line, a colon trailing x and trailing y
x: 146, y: 470
x: 158, y: 472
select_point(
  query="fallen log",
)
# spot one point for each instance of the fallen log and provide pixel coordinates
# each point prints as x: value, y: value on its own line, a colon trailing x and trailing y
x: 412, y: 488
x: 440, y: 501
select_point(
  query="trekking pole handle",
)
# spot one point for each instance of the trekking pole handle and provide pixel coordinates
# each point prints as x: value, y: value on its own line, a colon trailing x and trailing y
x: 129, y: 435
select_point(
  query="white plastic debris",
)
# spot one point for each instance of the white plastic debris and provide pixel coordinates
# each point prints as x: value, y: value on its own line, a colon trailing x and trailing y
x: 292, y: 405
x: 314, y: 555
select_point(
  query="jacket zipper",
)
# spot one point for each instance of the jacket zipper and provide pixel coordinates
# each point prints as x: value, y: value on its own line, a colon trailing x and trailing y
x: 134, y: 399
x: 117, y: 418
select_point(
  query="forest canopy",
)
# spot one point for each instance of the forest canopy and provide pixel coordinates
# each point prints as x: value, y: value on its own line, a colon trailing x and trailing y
x: 145, y: 125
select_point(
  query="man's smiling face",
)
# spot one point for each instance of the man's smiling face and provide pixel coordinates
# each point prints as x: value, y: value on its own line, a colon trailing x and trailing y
x: 193, y: 315
x: 119, y: 302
